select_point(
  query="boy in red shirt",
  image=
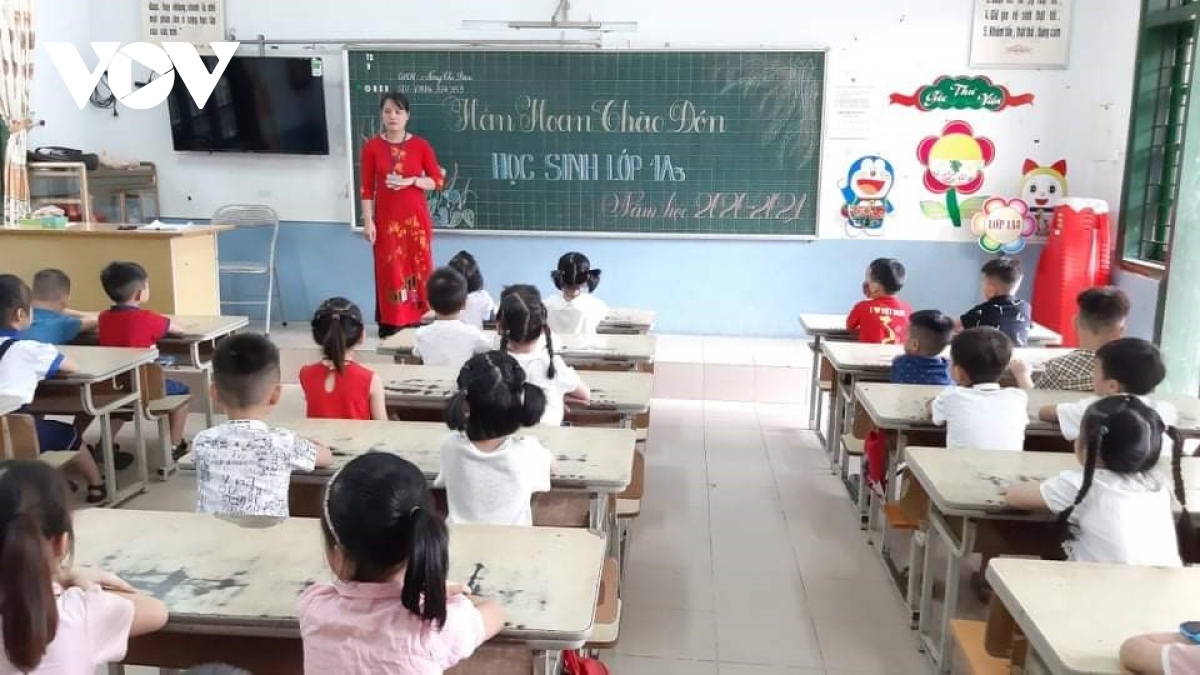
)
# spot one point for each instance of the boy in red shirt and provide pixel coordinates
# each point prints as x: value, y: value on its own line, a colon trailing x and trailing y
x: 126, y: 324
x: 881, y: 318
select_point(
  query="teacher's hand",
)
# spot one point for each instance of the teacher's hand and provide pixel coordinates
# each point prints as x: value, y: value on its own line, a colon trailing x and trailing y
x: 369, y: 231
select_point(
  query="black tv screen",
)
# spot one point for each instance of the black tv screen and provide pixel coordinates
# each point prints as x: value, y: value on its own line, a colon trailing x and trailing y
x: 260, y: 104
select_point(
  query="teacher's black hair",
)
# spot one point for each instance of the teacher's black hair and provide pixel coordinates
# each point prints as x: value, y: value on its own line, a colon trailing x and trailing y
x: 465, y: 263
x: 1126, y: 435
x: 521, y: 318
x: 15, y: 296
x: 337, y: 326
x: 493, y: 398
x: 380, y: 514
x: 395, y: 97
x: 575, y: 270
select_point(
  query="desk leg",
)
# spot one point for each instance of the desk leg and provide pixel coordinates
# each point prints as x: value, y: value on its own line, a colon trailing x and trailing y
x: 110, y: 464
x: 206, y: 377
x: 140, y: 446
x: 833, y: 438
x: 936, y: 647
x: 846, y: 403
x: 814, y: 388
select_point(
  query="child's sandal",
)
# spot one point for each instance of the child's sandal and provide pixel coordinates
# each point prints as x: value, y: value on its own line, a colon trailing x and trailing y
x: 97, y: 494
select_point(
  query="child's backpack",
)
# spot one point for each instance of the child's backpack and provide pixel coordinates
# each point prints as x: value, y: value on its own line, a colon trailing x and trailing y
x: 575, y: 663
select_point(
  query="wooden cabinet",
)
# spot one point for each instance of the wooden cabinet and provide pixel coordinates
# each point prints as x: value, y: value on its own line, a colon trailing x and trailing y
x: 105, y: 194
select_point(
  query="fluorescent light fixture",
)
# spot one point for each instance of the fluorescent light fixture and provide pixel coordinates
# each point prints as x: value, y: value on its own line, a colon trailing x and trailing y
x: 593, y: 26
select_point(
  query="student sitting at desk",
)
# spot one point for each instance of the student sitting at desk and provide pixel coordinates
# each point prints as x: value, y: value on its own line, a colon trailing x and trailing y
x: 1101, y: 319
x: 1161, y: 654
x: 392, y: 609
x: 24, y: 363
x: 337, y: 387
x: 882, y: 318
x: 243, y: 466
x: 489, y: 473
x: 58, y: 619
x: 1000, y: 307
x: 53, y: 322
x: 1118, y: 508
x: 574, y: 310
x: 480, y: 305
x: 979, y: 413
x: 1125, y: 366
x: 521, y: 322
x: 448, y: 341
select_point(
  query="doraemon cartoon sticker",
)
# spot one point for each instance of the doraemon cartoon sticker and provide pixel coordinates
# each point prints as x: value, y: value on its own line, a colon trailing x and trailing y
x: 1042, y: 187
x: 865, y: 190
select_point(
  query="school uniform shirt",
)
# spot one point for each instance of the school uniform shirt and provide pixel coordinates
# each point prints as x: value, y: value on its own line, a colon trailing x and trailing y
x: 1008, y: 314
x: 1124, y: 518
x: 129, y: 326
x: 361, y: 628
x: 579, y: 316
x: 1069, y: 372
x: 244, y: 468
x: 480, y: 307
x: 52, y: 327
x: 882, y: 320
x: 983, y: 417
x: 1181, y: 659
x: 917, y: 369
x: 24, y: 364
x: 350, y: 398
x: 450, y: 342
x: 93, y: 629
x: 493, y: 488
x: 1070, y: 415
x: 566, y: 380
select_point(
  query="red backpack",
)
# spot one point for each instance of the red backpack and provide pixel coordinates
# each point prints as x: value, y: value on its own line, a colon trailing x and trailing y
x: 576, y: 664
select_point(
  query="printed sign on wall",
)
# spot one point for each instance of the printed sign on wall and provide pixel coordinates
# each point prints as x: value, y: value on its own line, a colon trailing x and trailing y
x: 961, y: 93
x: 1021, y: 34
x: 197, y: 23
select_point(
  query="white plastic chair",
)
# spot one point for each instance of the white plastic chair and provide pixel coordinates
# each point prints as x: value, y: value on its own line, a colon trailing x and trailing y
x: 253, y: 216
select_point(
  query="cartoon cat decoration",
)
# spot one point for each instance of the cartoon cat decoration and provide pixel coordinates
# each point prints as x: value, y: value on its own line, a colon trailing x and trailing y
x: 1042, y: 187
x: 865, y: 193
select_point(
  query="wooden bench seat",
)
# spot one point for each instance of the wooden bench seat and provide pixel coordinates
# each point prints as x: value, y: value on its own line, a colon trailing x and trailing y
x: 970, y: 638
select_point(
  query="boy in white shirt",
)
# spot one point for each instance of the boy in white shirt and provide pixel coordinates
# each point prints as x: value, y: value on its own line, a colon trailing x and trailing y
x: 243, y: 466
x: 490, y: 474
x: 448, y: 341
x: 1124, y: 366
x: 979, y: 413
x: 480, y: 304
x: 574, y: 310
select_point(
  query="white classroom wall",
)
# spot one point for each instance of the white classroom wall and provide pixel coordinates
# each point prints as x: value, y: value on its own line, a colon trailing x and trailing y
x: 1079, y: 114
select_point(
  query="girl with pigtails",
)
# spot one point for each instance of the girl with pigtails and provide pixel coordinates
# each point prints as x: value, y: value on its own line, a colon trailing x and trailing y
x: 574, y: 310
x: 1118, y: 508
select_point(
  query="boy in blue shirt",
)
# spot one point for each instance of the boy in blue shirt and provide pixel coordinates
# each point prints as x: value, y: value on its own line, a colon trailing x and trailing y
x: 929, y: 332
x: 53, y: 323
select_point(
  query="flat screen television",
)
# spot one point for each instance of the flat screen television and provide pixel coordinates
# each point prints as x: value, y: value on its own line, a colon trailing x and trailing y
x: 265, y: 104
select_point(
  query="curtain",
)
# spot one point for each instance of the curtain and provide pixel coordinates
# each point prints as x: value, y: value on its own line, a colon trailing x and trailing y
x: 16, y: 76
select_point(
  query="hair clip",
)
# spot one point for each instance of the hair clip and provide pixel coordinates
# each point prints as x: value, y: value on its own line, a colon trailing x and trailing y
x: 325, y: 508
x: 413, y: 511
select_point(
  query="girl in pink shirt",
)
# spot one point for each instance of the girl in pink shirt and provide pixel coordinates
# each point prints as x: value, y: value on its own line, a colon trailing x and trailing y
x: 58, y: 620
x: 391, y: 610
x: 1166, y: 653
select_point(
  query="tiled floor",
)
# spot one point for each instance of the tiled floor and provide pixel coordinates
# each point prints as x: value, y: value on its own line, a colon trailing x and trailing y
x: 747, y: 558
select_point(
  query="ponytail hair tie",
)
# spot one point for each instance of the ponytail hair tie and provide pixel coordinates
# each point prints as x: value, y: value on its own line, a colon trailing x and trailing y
x: 325, y: 508
x: 413, y: 511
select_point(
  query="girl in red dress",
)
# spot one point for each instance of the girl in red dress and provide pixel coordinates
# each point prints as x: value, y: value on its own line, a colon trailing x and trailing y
x: 336, y: 387
x: 397, y: 169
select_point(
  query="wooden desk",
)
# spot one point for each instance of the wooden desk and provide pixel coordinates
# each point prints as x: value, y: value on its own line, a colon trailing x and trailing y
x: 182, y: 264
x: 633, y: 352
x: 821, y: 327
x: 618, y: 321
x: 966, y: 485
x: 834, y: 326
x: 1076, y: 615
x: 426, y: 388
x: 231, y: 585
x: 107, y: 381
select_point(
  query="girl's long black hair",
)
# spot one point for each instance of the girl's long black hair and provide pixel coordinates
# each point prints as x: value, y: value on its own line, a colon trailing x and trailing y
x: 465, y: 263
x: 1127, y: 435
x: 337, y: 325
x: 380, y: 514
x: 33, y: 511
x: 522, y: 318
x: 575, y: 270
x: 493, y: 398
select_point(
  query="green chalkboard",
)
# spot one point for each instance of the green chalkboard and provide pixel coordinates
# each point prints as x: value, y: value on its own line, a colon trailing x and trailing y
x: 608, y: 141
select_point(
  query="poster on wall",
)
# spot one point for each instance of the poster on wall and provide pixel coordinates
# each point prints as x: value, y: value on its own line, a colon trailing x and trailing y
x: 852, y: 111
x: 1021, y: 34
x: 198, y: 23
x: 865, y: 192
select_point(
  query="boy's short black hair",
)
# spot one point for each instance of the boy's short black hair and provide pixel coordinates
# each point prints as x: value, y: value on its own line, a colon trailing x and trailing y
x: 245, y: 369
x: 982, y: 353
x: 1004, y: 270
x: 1133, y: 362
x: 932, y: 330
x: 1102, y: 307
x: 466, y: 265
x: 122, y: 280
x: 14, y: 295
x: 888, y: 273
x: 447, y: 291
x: 51, y: 285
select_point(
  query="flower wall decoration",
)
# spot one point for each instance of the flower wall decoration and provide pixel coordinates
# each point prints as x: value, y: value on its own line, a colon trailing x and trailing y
x: 1003, y: 225
x: 954, y: 163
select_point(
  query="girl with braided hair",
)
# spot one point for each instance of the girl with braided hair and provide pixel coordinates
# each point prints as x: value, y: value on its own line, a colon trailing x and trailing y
x: 1117, y: 509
